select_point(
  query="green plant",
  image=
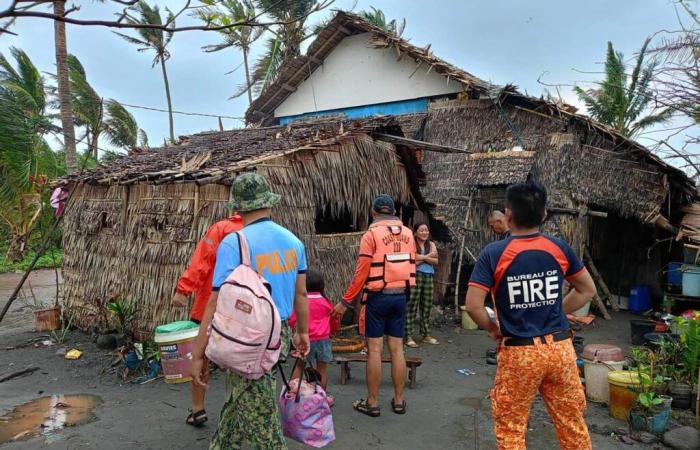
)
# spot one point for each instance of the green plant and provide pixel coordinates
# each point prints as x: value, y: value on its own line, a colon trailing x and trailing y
x: 59, y: 336
x: 125, y: 313
x: 690, y: 340
x: 648, y: 402
x: 152, y: 352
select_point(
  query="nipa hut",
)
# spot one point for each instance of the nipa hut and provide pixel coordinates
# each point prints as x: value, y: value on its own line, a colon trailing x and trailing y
x: 131, y: 225
x: 610, y: 197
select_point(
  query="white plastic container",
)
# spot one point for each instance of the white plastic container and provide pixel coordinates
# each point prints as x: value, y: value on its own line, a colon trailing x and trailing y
x: 598, y: 361
x: 467, y: 322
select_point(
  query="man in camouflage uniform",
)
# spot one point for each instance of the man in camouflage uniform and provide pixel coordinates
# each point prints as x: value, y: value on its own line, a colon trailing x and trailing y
x: 250, y: 413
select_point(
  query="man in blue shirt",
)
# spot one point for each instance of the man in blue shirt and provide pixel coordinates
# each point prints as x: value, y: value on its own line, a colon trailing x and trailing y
x: 525, y: 273
x: 250, y: 413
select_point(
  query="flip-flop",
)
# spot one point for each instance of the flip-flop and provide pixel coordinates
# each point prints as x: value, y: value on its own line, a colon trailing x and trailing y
x: 411, y: 343
x: 398, y: 409
x: 362, y: 406
x: 197, y: 419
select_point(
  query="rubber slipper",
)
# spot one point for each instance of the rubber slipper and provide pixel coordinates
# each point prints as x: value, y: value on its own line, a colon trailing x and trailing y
x: 364, y: 408
x: 398, y: 409
x: 430, y: 340
x: 411, y: 343
x: 197, y: 419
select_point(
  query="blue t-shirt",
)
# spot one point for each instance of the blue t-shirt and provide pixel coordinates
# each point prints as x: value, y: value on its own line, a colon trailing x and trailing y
x: 276, y: 253
x: 424, y: 267
x: 526, y: 276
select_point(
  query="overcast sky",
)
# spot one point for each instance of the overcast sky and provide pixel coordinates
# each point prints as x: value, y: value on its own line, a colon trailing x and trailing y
x: 503, y: 41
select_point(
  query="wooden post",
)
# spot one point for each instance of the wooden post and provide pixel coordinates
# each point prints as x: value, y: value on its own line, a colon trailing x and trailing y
x: 599, y: 279
x: 461, y: 253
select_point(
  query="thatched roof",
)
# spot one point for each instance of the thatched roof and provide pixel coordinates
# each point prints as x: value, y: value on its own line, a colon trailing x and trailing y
x: 216, y: 156
x: 346, y: 24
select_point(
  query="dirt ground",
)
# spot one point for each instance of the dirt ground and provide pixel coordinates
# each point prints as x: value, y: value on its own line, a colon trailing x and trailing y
x: 447, y: 410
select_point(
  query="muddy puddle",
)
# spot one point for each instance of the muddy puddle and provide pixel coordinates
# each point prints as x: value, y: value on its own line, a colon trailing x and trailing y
x: 47, y: 415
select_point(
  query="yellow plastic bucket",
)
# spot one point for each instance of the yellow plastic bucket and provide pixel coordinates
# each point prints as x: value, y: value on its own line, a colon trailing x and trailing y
x: 625, y: 386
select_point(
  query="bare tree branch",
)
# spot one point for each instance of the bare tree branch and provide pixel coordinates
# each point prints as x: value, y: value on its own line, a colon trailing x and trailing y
x: 13, y: 13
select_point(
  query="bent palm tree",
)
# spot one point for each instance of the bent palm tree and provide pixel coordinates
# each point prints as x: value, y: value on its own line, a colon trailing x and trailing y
x: 621, y: 100
x: 26, y: 160
x: 99, y: 118
x: 286, y: 40
x: 233, y: 11
x: 155, y: 40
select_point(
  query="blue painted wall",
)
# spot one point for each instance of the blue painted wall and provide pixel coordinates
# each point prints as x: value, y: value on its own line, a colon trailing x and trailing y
x: 358, y: 112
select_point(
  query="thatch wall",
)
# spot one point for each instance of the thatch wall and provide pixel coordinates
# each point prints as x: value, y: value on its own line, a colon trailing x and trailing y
x: 578, y: 167
x: 134, y: 241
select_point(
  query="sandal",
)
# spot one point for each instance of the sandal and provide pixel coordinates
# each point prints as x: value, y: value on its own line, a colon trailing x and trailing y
x: 197, y: 419
x: 411, y: 343
x: 364, y: 408
x: 430, y: 340
x: 398, y: 409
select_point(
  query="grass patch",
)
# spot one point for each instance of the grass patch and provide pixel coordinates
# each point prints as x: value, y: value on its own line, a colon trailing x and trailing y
x: 46, y: 261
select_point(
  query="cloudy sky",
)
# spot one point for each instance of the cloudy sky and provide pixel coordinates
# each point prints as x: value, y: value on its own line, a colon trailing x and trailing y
x: 503, y: 41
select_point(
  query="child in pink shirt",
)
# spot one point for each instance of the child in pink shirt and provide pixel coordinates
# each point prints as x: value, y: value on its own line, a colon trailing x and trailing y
x: 321, y: 327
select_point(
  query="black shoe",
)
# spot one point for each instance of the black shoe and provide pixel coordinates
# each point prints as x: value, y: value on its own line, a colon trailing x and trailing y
x: 492, y: 361
x: 491, y: 353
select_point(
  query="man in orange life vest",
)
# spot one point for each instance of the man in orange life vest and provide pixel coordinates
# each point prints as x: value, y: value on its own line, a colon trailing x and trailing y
x: 386, y: 268
x: 197, y: 279
x: 525, y: 274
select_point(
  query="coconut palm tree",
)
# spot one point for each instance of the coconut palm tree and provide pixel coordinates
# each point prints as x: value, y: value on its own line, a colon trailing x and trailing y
x: 154, y: 40
x: 59, y: 8
x: 285, y: 42
x: 26, y: 160
x: 99, y: 117
x: 625, y: 102
x: 242, y: 37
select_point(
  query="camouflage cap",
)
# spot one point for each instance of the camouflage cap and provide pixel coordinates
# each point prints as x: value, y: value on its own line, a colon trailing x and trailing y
x: 250, y: 192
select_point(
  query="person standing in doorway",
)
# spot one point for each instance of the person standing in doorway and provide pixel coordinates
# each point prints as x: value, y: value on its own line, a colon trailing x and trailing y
x: 197, y: 280
x: 499, y: 225
x: 385, y: 270
x: 421, y: 296
x: 525, y: 273
x: 250, y: 413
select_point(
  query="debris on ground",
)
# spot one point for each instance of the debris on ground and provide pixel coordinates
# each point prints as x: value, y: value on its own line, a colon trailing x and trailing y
x: 74, y: 354
x: 18, y: 373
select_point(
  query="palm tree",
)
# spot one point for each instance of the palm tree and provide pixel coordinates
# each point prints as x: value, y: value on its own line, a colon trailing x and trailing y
x: 155, y: 40
x: 377, y: 18
x: 621, y: 101
x: 59, y: 8
x: 99, y: 118
x: 242, y: 37
x: 286, y: 40
x: 26, y: 160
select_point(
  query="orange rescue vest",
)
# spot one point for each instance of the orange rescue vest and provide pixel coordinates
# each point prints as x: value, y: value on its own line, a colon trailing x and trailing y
x: 394, y: 260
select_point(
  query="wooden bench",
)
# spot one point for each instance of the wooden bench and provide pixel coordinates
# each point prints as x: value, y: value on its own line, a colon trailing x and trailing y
x: 344, y: 361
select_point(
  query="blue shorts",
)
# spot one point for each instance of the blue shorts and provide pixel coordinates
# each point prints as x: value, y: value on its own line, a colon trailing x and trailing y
x: 320, y: 351
x: 385, y: 314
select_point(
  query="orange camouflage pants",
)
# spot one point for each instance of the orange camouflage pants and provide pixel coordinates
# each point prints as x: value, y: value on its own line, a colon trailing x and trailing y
x: 550, y: 368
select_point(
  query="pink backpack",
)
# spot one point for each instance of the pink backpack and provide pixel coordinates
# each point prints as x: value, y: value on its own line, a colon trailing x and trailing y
x: 244, y: 335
